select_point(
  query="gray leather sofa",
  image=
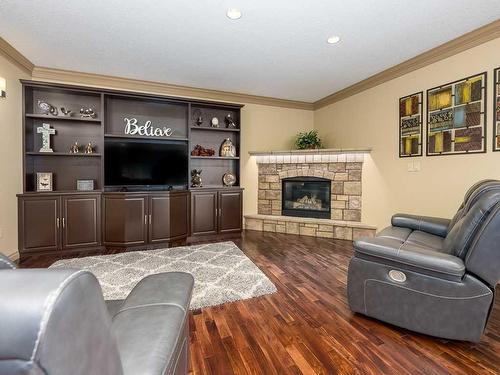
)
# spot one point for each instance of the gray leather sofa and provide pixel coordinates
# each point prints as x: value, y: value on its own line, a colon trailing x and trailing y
x: 56, y: 322
x: 432, y: 275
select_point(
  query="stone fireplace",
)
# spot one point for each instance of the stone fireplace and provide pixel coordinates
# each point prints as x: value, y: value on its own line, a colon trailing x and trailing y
x: 312, y: 192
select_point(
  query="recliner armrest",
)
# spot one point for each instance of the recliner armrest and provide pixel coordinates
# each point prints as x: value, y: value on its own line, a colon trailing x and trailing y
x: 412, y: 257
x: 432, y: 225
x: 151, y: 326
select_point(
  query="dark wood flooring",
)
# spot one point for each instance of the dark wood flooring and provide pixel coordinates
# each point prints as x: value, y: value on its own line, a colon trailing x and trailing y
x: 307, y: 327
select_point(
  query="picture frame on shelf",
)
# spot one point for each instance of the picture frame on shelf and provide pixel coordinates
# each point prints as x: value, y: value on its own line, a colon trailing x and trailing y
x: 44, y: 181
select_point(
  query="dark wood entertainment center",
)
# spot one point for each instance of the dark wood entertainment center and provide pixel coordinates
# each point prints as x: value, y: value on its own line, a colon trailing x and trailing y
x: 66, y: 219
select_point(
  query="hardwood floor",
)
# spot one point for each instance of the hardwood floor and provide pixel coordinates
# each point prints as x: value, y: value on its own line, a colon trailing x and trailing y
x: 307, y: 327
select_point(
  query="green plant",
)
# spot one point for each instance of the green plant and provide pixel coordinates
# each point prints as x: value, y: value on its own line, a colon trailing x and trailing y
x: 308, y: 140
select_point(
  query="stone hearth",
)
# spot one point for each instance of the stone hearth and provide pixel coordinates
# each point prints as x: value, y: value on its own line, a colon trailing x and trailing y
x: 342, y: 167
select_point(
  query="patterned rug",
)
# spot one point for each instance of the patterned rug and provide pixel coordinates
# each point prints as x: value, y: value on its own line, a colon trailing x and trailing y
x: 222, y: 272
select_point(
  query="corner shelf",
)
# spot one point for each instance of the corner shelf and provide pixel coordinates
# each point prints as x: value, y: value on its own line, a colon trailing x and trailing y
x: 214, y: 129
x: 82, y: 154
x: 216, y: 157
x: 65, y: 118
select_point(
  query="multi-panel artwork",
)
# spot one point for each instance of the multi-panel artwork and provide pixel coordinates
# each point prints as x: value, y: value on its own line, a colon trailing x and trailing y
x: 456, y: 117
x: 496, y: 110
x: 410, y: 125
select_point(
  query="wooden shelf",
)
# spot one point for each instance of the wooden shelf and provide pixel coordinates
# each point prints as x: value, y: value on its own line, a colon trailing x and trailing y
x: 216, y: 157
x: 66, y: 118
x: 218, y: 187
x: 214, y: 129
x: 81, y: 154
x: 146, y: 137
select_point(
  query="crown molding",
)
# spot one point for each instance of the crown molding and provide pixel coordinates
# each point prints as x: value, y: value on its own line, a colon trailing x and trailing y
x: 105, y: 81
x: 471, y: 39
x: 15, y: 56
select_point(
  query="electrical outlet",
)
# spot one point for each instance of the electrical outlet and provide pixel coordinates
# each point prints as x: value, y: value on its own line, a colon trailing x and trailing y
x: 416, y: 166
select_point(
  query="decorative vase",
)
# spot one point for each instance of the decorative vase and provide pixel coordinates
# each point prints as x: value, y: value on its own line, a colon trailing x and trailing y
x: 227, y: 148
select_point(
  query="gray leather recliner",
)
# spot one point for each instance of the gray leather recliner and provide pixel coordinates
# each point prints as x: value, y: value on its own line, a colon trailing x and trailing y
x: 432, y: 275
x: 56, y: 322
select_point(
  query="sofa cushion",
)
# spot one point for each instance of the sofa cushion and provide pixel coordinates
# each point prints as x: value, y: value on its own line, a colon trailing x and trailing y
x: 463, y: 232
x: 425, y: 239
x: 395, y: 233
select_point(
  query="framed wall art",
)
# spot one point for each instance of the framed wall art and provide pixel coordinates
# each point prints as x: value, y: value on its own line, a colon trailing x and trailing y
x: 410, y: 125
x: 496, y: 110
x: 456, y: 117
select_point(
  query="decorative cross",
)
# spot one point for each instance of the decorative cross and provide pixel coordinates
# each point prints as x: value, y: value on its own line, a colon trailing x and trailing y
x: 46, y: 133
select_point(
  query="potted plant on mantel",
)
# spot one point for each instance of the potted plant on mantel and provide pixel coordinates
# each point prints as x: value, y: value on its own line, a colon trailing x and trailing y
x: 308, y: 141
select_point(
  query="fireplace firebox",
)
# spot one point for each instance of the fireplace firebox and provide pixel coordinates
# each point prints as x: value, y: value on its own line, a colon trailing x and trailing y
x: 306, y: 197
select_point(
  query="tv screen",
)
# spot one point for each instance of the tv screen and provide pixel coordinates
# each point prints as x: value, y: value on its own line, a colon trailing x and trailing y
x: 145, y: 163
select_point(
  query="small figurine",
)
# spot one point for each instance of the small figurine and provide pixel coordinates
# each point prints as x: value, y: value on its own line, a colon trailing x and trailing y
x: 214, y: 122
x: 87, y: 112
x: 46, y: 108
x: 199, y: 121
x: 196, y: 178
x: 74, y: 148
x: 66, y: 112
x: 230, y: 122
x: 202, y: 151
x: 227, y: 149
x: 89, y: 149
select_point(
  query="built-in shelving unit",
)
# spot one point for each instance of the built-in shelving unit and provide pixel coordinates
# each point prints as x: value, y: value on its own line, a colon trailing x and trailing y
x: 111, y: 107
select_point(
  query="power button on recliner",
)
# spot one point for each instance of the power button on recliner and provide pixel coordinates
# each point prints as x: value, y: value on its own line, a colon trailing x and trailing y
x: 397, y: 276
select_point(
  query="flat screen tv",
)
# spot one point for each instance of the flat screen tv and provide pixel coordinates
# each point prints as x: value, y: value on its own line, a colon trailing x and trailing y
x: 145, y: 163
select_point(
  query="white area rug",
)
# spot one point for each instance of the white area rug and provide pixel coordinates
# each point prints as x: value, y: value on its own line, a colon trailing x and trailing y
x: 222, y: 272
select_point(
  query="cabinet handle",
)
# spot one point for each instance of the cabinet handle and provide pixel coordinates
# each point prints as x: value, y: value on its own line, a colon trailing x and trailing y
x: 57, y: 223
x: 145, y: 219
x: 64, y: 223
x: 149, y: 219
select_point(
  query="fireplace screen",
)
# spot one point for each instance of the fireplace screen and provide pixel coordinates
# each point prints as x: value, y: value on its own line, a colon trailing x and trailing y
x: 306, y: 197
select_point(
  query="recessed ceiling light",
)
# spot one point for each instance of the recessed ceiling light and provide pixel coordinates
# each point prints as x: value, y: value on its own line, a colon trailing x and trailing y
x: 233, y: 14
x: 333, y: 39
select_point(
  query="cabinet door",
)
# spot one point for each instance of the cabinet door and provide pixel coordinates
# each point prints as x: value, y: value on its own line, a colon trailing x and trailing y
x: 81, y: 221
x: 125, y: 220
x: 159, y: 218
x: 230, y: 211
x: 39, y: 223
x: 179, y: 216
x: 203, y: 212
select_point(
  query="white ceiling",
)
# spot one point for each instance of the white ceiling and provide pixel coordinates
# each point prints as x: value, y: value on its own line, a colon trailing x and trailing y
x: 278, y: 48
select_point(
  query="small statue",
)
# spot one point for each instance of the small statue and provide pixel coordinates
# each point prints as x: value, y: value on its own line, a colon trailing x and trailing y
x: 196, y: 178
x: 202, y: 151
x: 66, y: 112
x: 46, y: 108
x: 214, y: 122
x: 199, y: 121
x: 227, y: 149
x: 87, y: 112
x: 89, y: 149
x: 230, y: 122
x: 74, y: 148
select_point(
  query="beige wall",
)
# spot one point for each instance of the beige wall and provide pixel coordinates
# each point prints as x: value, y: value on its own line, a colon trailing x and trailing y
x: 370, y: 119
x: 266, y: 128
x: 10, y: 151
